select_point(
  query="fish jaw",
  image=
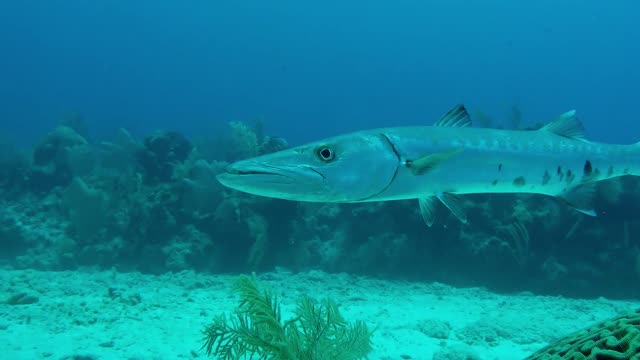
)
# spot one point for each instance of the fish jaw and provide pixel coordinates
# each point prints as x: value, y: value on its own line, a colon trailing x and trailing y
x: 289, y: 182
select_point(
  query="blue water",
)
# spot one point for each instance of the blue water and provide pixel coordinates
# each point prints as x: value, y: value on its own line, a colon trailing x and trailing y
x: 332, y: 66
x: 114, y: 215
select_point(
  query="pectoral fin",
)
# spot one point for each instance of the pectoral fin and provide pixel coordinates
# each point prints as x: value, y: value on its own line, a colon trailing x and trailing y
x: 581, y: 198
x: 429, y: 162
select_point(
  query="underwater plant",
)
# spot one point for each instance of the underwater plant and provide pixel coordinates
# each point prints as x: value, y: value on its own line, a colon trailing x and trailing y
x: 256, y: 329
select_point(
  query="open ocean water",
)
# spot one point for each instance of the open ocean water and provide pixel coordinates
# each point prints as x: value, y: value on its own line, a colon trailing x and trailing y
x: 117, y: 241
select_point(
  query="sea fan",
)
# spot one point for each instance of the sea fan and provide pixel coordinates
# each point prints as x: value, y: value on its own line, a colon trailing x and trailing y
x: 317, y: 332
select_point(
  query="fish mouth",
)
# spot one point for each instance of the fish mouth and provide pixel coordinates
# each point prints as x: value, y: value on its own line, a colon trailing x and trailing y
x: 258, y: 176
x: 253, y: 168
x: 249, y: 172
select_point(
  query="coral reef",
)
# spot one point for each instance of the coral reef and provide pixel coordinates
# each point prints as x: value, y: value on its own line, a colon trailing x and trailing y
x: 87, y: 208
x: 161, y: 152
x: 155, y: 205
x: 617, y: 338
x: 51, y: 164
x: 14, y: 167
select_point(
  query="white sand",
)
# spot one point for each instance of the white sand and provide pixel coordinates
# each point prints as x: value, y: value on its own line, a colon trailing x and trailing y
x: 160, y: 317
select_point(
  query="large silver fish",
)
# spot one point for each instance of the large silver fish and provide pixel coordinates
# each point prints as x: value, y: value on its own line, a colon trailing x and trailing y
x: 437, y: 163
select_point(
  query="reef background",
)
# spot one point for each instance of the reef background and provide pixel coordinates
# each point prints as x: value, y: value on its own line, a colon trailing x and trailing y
x: 115, y: 118
x: 154, y: 206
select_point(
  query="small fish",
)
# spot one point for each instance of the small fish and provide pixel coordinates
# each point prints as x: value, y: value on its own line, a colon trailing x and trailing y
x: 438, y: 164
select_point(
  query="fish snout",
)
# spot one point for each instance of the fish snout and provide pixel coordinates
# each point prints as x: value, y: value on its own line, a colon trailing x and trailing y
x: 246, y: 168
x: 291, y: 182
x: 250, y: 170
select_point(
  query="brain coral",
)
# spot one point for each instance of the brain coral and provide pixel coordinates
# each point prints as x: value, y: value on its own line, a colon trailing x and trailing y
x: 617, y: 338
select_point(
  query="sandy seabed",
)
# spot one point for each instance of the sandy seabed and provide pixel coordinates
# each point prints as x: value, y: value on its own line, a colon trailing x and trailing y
x: 114, y: 315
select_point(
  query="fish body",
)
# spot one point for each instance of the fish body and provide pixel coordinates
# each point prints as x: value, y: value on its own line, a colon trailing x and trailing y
x: 439, y: 163
x: 503, y: 161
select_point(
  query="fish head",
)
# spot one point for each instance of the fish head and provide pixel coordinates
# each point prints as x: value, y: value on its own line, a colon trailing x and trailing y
x: 347, y: 168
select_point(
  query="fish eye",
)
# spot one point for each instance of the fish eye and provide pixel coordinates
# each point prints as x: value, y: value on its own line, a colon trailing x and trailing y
x: 325, y: 153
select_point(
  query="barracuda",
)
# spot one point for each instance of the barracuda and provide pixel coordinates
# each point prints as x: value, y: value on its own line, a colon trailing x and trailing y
x: 438, y: 164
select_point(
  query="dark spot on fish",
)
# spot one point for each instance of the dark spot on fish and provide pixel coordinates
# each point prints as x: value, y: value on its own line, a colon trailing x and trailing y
x: 500, y: 167
x: 494, y: 182
x: 559, y: 171
x: 570, y: 177
x: 546, y: 178
x: 519, y: 181
x: 610, y: 171
x: 588, y: 169
x: 596, y: 173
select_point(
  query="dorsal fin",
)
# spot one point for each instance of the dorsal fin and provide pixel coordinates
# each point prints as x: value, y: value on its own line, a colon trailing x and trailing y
x: 456, y: 117
x: 566, y: 125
